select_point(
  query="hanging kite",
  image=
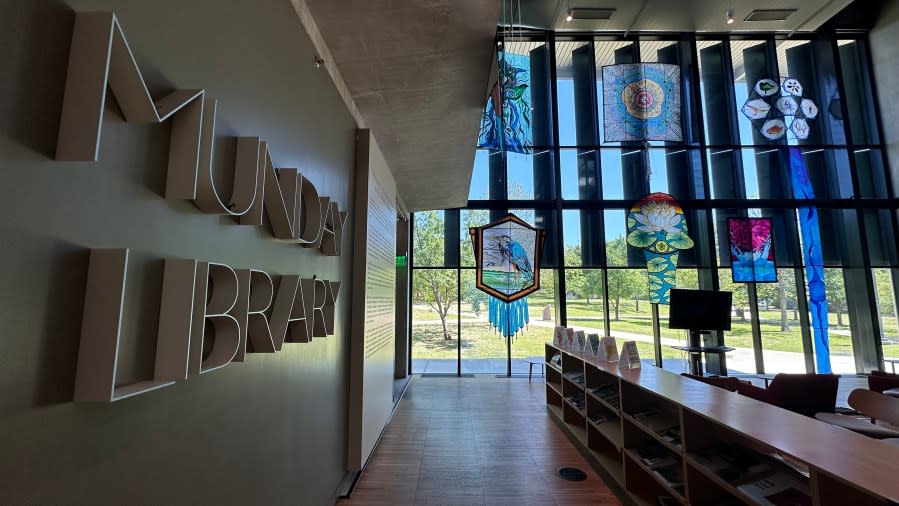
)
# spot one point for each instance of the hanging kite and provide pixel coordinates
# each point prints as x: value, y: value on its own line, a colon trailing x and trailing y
x: 814, y: 259
x: 656, y: 224
x: 771, y: 106
x: 511, y: 94
x: 507, y: 257
x: 641, y: 102
x: 751, y: 250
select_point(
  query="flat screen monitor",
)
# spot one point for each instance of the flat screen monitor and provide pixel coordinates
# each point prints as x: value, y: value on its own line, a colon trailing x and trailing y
x: 699, y: 309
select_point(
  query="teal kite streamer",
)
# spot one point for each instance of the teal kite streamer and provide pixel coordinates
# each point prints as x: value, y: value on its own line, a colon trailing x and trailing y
x: 507, y: 317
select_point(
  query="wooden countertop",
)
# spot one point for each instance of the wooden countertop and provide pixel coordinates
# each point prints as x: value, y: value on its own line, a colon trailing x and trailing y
x: 866, y: 463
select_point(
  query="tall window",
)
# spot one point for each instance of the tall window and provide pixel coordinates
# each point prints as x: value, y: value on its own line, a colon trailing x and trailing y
x: 578, y: 187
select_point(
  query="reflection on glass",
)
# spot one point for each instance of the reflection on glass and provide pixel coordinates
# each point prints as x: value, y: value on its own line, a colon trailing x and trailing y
x: 838, y: 332
x: 616, y: 246
x: 520, y: 174
x: 779, y: 322
x: 871, y: 178
x: 612, y: 184
x: 428, y: 239
x: 470, y: 218
x: 675, y: 360
x: 750, y: 64
x: 482, y: 349
x: 571, y: 232
x: 434, y: 320
x: 584, y: 300
x: 573, y: 77
x: 886, y: 308
x: 480, y: 176
x: 542, y: 310
x: 857, y: 93
x: 740, y: 335
x: 571, y: 182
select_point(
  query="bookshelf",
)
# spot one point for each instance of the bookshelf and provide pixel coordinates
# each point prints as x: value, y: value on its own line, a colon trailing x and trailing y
x: 661, y: 435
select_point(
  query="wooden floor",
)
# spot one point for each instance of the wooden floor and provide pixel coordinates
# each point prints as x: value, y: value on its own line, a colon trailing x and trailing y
x: 475, y: 441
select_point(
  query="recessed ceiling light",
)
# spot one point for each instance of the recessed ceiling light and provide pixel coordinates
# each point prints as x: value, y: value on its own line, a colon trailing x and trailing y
x: 729, y: 16
x: 569, y: 15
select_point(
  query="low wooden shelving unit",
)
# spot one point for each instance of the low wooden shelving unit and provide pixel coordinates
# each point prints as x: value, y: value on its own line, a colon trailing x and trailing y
x: 659, y: 434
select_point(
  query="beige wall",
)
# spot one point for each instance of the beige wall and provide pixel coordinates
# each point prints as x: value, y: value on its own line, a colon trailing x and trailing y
x: 269, y: 431
x: 885, y: 55
x: 374, y: 301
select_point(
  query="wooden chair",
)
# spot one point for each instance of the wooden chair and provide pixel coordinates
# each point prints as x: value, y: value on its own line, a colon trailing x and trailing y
x: 880, y: 415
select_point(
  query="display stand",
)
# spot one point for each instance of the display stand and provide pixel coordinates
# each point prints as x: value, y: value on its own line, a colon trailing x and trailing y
x: 696, y: 348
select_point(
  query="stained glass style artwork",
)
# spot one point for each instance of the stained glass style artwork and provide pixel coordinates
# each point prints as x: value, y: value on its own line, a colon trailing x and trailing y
x: 793, y: 87
x: 787, y: 106
x: 766, y: 87
x: 756, y: 109
x: 773, y: 129
x: 641, y: 101
x: 490, y: 134
x: 507, y: 260
x: 751, y: 250
x: 776, y: 109
x: 814, y: 260
x: 512, y: 130
x: 656, y: 224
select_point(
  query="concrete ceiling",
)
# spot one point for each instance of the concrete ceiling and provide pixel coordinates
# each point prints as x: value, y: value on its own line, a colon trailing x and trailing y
x: 418, y: 71
x: 680, y: 15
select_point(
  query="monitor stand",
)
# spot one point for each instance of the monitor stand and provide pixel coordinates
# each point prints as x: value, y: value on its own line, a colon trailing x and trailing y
x: 695, y: 342
x: 704, y: 342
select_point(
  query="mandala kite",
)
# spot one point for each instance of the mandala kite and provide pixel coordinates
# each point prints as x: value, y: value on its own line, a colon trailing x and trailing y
x: 512, y: 95
x: 814, y: 259
x: 771, y: 106
x: 507, y: 257
x: 641, y: 101
x: 656, y: 224
x: 751, y: 250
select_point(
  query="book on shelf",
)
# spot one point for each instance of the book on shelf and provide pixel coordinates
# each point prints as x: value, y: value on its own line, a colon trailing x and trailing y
x: 575, y: 377
x: 778, y: 489
x: 734, y: 464
x: 672, y: 474
x: 655, y: 455
x: 672, y: 435
x: 577, y: 400
x: 556, y: 360
x: 600, y: 419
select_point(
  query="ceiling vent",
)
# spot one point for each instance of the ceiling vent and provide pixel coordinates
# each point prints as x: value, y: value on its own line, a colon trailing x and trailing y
x: 769, y: 15
x: 592, y: 13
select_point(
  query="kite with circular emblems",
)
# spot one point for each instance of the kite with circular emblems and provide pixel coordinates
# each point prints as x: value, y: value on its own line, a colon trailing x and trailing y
x: 776, y: 109
x: 641, y: 101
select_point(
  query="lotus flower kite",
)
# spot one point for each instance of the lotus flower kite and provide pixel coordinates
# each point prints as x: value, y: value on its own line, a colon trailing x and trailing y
x: 656, y: 224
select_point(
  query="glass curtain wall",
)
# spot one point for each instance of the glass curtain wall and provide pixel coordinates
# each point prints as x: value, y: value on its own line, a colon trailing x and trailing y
x: 578, y: 186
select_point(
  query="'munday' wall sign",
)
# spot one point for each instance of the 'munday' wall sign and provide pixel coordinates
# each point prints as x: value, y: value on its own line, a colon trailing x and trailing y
x: 233, y: 302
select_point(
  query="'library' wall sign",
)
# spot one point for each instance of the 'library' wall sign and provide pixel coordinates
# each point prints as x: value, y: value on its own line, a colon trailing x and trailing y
x: 233, y: 302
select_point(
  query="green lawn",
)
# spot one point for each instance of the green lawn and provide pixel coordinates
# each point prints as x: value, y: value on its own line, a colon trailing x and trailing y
x: 479, y: 340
